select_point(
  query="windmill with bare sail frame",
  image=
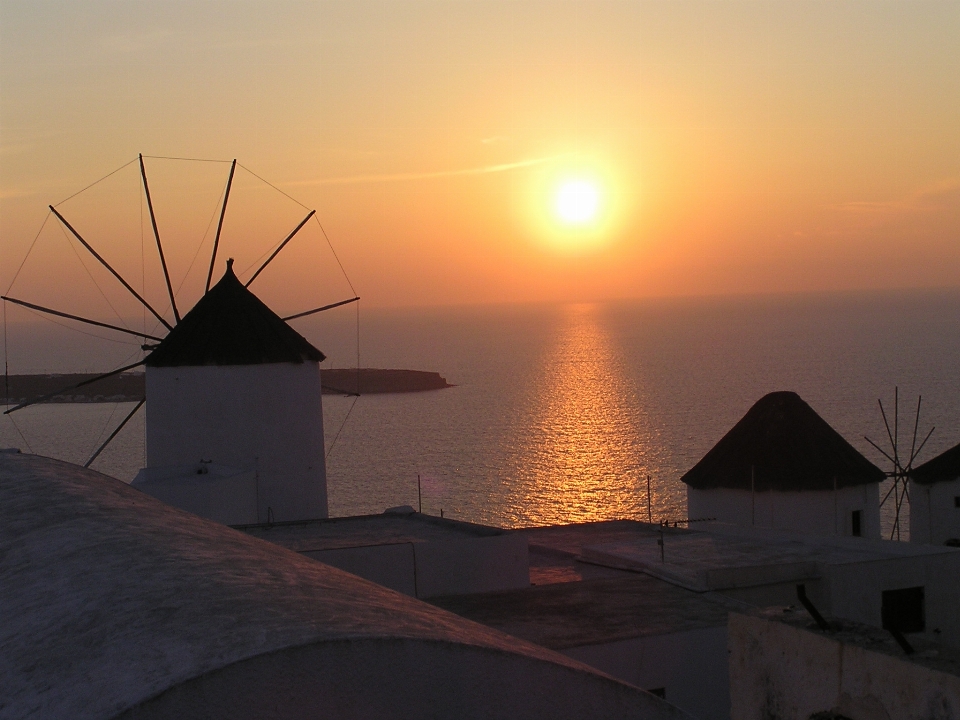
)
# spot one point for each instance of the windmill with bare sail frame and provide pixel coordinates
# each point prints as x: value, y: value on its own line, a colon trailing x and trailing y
x: 229, y: 385
x: 901, y: 465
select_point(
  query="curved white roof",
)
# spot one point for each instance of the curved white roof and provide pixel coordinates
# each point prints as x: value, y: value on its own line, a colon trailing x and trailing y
x: 110, y: 598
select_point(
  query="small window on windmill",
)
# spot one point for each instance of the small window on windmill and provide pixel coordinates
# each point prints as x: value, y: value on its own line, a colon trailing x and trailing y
x: 956, y: 501
x: 660, y: 692
x: 855, y: 523
x: 903, y: 610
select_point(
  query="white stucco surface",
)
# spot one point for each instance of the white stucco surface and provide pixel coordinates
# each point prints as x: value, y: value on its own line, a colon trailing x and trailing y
x: 117, y: 605
x: 419, y: 555
x: 782, y: 667
x: 227, y: 495
x: 634, y: 627
x: 843, y: 576
x: 811, y: 511
x: 690, y: 666
x: 428, y: 569
x: 268, y: 417
x: 934, y: 515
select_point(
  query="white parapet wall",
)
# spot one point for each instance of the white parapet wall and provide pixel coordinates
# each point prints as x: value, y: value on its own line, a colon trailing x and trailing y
x: 935, y: 512
x: 115, y: 605
x: 268, y: 417
x: 819, y: 512
x: 781, y: 668
x: 686, y: 668
x: 227, y: 495
x: 428, y: 558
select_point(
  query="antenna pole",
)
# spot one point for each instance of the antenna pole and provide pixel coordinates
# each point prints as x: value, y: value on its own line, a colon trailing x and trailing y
x: 893, y: 443
x: 80, y: 319
x: 916, y: 424
x: 896, y: 425
x: 223, y: 211
x: 106, y: 442
x: 156, y: 234
x: 282, y: 245
x: 103, y: 262
x: 649, y: 503
x: 836, y: 522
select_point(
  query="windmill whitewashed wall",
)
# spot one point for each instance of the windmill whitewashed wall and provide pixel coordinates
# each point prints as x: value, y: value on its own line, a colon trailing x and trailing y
x: 935, y: 500
x: 234, y: 414
x: 783, y: 467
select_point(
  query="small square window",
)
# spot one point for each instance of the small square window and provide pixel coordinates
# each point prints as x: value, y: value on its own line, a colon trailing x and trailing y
x: 903, y: 610
x: 956, y: 501
x: 855, y: 523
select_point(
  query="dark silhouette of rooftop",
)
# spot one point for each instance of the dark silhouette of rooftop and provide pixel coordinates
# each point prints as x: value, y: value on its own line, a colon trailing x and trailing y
x: 943, y: 468
x: 232, y: 326
x: 786, y: 446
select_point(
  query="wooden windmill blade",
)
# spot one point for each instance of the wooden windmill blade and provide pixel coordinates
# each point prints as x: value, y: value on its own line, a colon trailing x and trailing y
x: 899, y: 491
x: 111, y: 270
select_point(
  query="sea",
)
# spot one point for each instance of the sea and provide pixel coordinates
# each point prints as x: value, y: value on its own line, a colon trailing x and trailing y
x: 563, y: 413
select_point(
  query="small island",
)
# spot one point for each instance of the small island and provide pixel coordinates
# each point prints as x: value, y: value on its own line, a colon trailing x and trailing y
x: 130, y: 387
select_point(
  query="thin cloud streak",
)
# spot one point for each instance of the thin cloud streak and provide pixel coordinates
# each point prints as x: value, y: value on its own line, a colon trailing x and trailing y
x: 403, y: 177
x: 936, y: 196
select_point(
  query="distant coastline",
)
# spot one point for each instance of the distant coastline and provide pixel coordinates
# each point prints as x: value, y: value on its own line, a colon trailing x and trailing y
x: 130, y: 387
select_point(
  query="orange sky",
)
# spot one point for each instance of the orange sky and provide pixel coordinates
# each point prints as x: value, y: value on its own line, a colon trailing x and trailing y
x: 740, y: 146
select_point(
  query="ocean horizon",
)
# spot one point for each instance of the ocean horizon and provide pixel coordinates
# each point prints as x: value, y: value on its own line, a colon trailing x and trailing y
x: 560, y: 412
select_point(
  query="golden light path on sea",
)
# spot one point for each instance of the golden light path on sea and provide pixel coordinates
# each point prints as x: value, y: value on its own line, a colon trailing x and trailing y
x: 580, y: 458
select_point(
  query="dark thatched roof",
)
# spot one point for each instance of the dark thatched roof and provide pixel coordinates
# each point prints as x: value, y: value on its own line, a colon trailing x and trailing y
x: 231, y: 326
x: 787, y: 446
x: 943, y: 468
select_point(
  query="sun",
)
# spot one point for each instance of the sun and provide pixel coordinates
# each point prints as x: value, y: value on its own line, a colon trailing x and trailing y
x: 577, y: 202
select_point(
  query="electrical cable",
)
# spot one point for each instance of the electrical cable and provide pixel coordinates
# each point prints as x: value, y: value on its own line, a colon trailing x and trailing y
x: 92, y: 279
x: 335, y: 257
x: 342, y: 425
x: 273, y: 186
x: 167, y: 157
x: 24, y: 261
x: 95, y: 183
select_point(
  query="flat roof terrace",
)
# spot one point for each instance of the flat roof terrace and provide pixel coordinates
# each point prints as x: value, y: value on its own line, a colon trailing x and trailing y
x: 366, y: 530
x: 712, y: 556
x: 416, y: 554
x: 592, y: 612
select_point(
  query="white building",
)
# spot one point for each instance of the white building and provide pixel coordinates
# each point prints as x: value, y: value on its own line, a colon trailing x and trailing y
x: 234, y: 414
x: 783, y: 666
x: 935, y: 500
x: 418, y: 555
x: 783, y: 467
x: 117, y: 606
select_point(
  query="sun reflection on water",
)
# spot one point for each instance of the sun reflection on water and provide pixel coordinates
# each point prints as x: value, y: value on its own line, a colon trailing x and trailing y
x: 580, y: 454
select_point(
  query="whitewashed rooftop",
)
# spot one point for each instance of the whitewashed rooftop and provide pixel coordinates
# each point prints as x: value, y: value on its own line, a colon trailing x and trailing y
x: 114, y: 604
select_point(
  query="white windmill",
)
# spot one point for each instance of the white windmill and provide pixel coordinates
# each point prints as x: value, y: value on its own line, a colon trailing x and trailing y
x: 234, y: 420
x: 901, y: 464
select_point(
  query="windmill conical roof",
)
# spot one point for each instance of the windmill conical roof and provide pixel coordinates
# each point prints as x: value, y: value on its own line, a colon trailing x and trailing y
x: 943, y: 468
x: 231, y: 326
x: 787, y: 446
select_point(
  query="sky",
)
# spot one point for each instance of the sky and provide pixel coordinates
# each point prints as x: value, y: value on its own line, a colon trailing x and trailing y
x: 730, y: 147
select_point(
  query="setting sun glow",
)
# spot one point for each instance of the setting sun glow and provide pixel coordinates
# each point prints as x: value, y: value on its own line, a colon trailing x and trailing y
x: 577, y: 202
